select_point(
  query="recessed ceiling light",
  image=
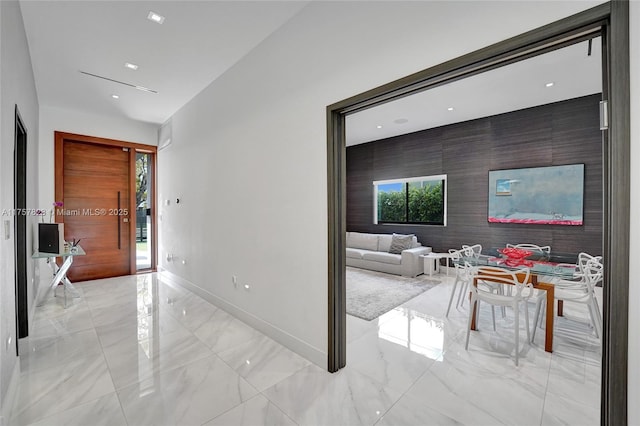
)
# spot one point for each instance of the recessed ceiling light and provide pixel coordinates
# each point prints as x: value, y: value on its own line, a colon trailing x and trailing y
x: 131, y: 66
x: 379, y: 126
x: 145, y: 89
x: 115, y: 96
x: 550, y: 84
x: 450, y: 109
x: 152, y: 16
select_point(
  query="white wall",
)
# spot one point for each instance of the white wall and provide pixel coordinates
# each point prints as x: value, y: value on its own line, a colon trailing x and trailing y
x: 248, y: 158
x: 17, y: 87
x: 3, y: 411
x: 634, y: 252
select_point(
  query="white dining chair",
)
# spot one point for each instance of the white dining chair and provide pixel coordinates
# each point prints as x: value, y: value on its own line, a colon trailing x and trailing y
x: 468, y: 251
x: 492, y: 276
x: 474, y: 250
x: 463, y: 275
x: 464, y: 272
x: 581, y: 290
x: 531, y: 247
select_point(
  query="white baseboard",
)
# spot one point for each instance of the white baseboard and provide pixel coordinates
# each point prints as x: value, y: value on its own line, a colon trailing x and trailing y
x: 293, y: 343
x: 10, y: 397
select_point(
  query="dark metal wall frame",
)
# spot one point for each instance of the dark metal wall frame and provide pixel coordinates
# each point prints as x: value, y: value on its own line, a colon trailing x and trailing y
x: 20, y: 153
x: 612, y: 21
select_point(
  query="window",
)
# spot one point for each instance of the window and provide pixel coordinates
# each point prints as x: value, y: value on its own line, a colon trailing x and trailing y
x: 417, y: 200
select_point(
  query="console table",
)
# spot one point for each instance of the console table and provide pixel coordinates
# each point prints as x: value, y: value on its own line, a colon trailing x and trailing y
x: 60, y: 273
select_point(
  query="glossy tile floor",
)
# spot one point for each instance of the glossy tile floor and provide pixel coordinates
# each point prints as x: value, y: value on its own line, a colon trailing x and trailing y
x: 140, y: 351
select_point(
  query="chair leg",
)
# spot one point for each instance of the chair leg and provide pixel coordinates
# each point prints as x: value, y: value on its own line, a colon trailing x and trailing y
x: 493, y: 316
x: 472, y: 303
x: 597, y: 308
x: 592, y: 317
x: 526, y: 320
x: 463, y: 290
x: 536, y: 318
x: 503, y: 309
x: 517, y: 329
x: 597, y: 313
x: 453, y: 291
x: 596, y: 319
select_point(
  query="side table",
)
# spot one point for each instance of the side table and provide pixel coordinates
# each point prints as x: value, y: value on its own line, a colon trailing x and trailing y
x: 59, y: 273
x: 432, y: 262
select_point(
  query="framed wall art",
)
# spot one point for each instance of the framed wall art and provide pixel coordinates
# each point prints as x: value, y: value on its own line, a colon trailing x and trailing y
x: 552, y: 195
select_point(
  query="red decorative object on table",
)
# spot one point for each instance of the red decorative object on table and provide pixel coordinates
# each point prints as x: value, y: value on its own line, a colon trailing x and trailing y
x: 516, y: 257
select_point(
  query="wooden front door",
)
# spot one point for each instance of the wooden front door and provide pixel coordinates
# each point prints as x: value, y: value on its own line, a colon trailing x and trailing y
x: 95, y: 190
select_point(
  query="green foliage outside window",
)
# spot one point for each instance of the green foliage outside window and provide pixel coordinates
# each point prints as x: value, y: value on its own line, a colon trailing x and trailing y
x: 425, y: 203
x: 392, y: 206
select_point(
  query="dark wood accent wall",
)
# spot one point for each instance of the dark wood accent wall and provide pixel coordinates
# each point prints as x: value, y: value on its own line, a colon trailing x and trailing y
x: 565, y: 132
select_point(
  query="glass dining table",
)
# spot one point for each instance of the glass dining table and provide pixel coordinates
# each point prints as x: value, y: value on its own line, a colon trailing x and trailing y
x: 544, y: 269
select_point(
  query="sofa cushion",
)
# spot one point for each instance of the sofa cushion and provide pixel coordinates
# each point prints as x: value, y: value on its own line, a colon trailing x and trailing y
x: 355, y: 253
x: 401, y: 242
x: 382, y: 257
x: 362, y: 241
x: 384, y: 242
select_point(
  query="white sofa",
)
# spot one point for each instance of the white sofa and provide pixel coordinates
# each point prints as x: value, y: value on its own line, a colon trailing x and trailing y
x: 371, y: 251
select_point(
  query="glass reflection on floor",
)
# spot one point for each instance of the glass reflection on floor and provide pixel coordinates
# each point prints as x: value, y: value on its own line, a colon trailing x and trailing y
x: 414, y: 330
x: 148, y: 329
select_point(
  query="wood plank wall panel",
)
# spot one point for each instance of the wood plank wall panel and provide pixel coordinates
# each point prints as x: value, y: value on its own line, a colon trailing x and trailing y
x: 465, y: 146
x: 567, y: 130
x: 360, y: 182
x: 561, y: 133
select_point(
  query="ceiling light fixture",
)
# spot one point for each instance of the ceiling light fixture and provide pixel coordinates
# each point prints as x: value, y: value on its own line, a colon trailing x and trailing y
x: 550, y: 84
x: 130, y: 66
x: 115, y: 96
x: 152, y: 16
x: 379, y: 126
x: 450, y: 109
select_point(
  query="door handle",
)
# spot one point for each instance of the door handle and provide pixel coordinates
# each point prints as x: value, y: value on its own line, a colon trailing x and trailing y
x: 118, y: 218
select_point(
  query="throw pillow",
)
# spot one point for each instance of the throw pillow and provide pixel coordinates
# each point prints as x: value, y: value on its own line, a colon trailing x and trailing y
x: 400, y: 242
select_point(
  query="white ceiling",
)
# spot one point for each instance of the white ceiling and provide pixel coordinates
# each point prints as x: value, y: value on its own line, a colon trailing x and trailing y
x: 197, y: 43
x: 200, y: 40
x: 510, y: 88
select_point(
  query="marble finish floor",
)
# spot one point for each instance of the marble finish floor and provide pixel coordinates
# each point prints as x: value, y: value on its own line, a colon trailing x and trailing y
x: 139, y: 350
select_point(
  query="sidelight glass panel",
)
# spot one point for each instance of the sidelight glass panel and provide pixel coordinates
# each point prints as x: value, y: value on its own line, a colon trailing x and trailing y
x: 144, y: 225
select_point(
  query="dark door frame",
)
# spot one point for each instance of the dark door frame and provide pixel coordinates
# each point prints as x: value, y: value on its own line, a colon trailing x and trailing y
x: 612, y: 21
x: 20, y: 227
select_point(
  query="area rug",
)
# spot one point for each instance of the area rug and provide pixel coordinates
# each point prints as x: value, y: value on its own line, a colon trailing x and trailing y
x: 371, y: 294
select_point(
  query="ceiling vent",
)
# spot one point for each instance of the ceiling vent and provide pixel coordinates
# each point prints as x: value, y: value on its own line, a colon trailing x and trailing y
x: 144, y: 89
